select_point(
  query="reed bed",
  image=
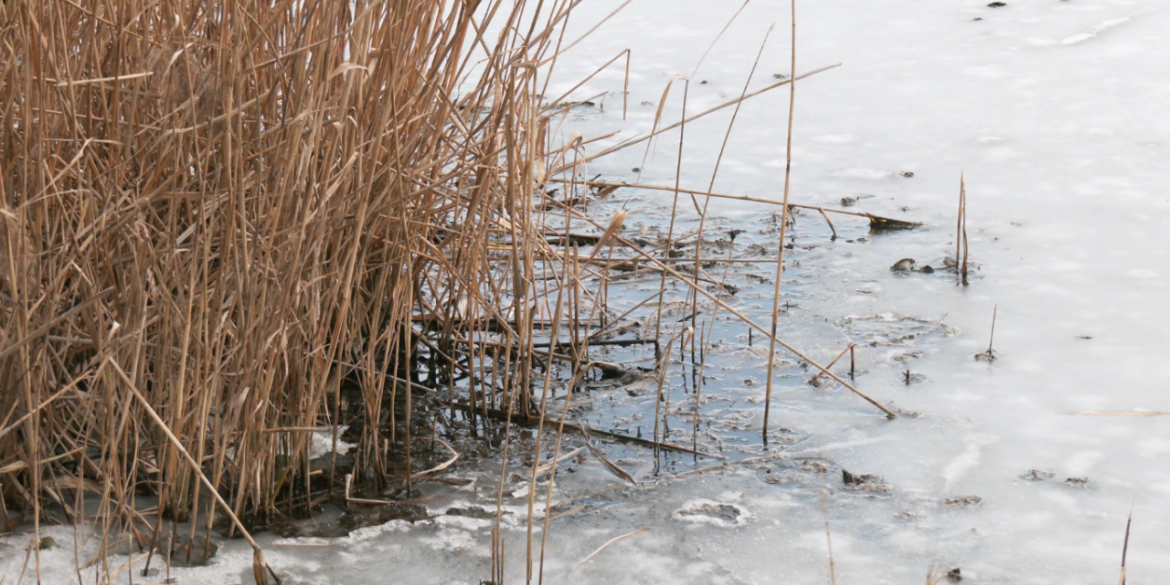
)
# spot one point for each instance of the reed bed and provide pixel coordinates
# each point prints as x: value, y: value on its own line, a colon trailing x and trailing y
x: 227, y: 225
x: 219, y: 211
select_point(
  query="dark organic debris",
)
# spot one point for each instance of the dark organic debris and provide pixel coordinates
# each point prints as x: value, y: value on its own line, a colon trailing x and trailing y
x: 472, y: 512
x: 623, y: 376
x: 725, y: 512
x: 1077, y: 481
x: 863, y: 482
x: 954, y: 575
x: 877, y: 223
x: 909, y: 377
x: 906, y: 356
x: 814, y: 466
x: 987, y: 356
x: 1037, y: 475
x: 997, y: 5
x: 822, y: 383
x: 857, y: 479
x: 963, y: 501
x: 903, y: 265
x: 907, y: 174
x: 187, y: 552
x: 377, y: 515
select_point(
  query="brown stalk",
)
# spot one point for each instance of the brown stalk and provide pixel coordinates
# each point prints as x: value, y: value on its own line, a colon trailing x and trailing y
x: 783, y: 231
x: 259, y: 565
x: 635, y: 185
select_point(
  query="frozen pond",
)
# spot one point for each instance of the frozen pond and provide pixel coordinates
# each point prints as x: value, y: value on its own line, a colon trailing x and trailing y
x: 1056, y: 111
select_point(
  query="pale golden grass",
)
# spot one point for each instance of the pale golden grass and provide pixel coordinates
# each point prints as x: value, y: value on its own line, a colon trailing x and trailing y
x: 216, y: 213
x: 213, y: 216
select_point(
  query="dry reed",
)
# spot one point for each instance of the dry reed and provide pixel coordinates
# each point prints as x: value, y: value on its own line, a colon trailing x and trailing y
x: 226, y: 213
x: 226, y: 225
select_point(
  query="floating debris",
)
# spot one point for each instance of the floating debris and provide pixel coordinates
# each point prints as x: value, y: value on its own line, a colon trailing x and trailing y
x: 863, y: 482
x: 1079, y: 482
x: 903, y: 265
x: 885, y: 223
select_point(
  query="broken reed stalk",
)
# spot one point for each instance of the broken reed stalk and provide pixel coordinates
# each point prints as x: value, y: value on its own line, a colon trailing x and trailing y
x: 719, y: 36
x: 876, y: 220
x: 694, y: 297
x: 783, y: 232
x: 662, y: 365
x: 706, y: 112
x: 606, y: 545
x: 674, y: 202
x: 848, y: 350
x: 556, y: 316
x: 961, y: 250
x: 991, y: 339
x: 1125, y: 543
x: 989, y: 355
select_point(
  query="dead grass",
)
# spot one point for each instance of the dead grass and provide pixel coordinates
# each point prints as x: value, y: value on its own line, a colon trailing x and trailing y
x: 216, y: 216
x: 240, y: 206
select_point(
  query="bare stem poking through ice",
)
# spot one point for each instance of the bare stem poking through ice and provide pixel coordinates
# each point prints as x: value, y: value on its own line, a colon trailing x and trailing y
x: 783, y: 233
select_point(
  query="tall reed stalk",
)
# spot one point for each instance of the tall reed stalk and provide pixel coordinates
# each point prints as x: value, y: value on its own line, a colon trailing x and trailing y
x: 233, y: 210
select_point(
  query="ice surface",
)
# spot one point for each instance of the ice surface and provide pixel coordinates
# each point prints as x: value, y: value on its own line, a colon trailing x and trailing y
x: 1056, y: 111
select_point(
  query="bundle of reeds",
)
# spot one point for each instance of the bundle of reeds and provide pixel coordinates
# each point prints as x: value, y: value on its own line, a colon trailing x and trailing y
x: 213, y: 213
x: 226, y: 226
